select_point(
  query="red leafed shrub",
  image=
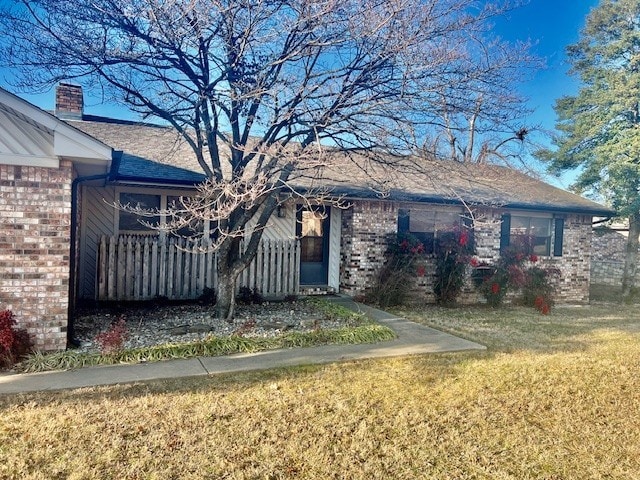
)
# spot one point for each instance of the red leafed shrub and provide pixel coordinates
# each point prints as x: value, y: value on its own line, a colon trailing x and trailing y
x: 112, y: 340
x: 516, y: 271
x: 14, y: 342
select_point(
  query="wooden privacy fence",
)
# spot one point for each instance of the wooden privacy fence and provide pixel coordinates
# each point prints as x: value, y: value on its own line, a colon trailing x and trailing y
x: 135, y: 267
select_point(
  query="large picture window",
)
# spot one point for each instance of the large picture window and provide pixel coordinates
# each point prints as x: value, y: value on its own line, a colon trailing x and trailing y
x: 195, y: 227
x: 428, y: 226
x: 131, y: 222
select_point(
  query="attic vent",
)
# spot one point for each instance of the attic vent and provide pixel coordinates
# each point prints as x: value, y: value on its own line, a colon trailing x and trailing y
x: 69, y: 101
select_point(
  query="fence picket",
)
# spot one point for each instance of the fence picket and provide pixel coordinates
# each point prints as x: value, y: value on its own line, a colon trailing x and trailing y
x: 153, y: 292
x: 141, y: 267
x: 111, y: 266
x: 171, y: 254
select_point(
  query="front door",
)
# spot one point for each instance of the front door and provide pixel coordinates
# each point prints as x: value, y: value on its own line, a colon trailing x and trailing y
x: 313, y: 231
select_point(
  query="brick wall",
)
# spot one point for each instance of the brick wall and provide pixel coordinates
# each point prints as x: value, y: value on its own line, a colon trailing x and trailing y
x: 35, y: 210
x: 367, y: 227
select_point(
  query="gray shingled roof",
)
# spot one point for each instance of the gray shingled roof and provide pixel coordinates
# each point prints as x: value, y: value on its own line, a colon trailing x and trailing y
x: 154, y: 154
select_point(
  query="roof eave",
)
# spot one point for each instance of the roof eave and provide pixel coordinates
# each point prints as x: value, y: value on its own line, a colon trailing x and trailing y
x: 355, y: 194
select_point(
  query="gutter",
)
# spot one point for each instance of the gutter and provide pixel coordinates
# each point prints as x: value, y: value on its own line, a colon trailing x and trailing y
x: 73, y: 342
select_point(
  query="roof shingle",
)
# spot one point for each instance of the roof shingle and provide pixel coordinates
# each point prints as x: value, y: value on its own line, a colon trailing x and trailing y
x: 156, y: 154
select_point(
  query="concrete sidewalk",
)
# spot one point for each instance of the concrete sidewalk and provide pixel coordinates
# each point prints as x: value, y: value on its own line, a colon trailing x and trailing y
x: 413, y: 339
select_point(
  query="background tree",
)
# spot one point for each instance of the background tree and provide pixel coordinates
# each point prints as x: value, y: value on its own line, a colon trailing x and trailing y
x: 599, y: 128
x: 260, y: 88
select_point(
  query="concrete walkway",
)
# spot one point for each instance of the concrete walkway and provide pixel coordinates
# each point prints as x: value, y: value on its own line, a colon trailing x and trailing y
x: 413, y: 339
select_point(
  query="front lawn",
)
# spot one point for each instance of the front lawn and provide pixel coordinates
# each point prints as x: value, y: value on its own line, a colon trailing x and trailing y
x: 554, y: 397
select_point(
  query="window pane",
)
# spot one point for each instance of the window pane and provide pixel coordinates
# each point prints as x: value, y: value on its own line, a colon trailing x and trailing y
x: 129, y: 221
x: 541, y: 227
x: 532, y: 234
x: 422, y: 221
x: 195, y: 227
x: 311, y: 224
x: 311, y: 249
x: 542, y: 246
x: 447, y: 221
x: 520, y: 225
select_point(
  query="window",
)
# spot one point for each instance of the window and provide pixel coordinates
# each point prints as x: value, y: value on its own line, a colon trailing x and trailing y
x: 429, y: 226
x: 195, y: 227
x: 312, y: 236
x: 536, y: 235
x: 129, y: 221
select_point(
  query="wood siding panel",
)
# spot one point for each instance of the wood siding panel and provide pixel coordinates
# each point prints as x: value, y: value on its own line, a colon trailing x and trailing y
x: 97, y: 219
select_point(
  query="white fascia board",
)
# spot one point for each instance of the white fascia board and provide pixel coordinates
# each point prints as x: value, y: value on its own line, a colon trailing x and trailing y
x: 68, y: 141
x: 29, y: 160
x: 28, y: 109
x: 71, y: 143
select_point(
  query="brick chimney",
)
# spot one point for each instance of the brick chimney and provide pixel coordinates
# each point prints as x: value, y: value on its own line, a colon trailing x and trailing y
x: 69, y: 101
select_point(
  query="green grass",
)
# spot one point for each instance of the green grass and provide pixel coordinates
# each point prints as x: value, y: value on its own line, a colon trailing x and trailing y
x: 553, y: 397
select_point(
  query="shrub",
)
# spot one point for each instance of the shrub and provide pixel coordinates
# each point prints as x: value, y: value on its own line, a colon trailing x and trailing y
x: 452, y: 256
x: 112, y: 340
x: 14, y: 342
x: 247, y: 296
x: 516, y: 271
x: 538, y: 290
x: 208, y: 296
x: 395, y: 278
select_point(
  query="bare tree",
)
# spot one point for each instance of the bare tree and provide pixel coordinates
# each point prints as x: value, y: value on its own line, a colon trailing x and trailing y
x: 261, y: 88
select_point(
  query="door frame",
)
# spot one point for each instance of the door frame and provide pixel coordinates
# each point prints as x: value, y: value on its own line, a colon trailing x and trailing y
x: 318, y: 269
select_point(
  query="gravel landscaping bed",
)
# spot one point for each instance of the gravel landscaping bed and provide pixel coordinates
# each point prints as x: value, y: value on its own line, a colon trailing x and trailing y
x: 150, y: 324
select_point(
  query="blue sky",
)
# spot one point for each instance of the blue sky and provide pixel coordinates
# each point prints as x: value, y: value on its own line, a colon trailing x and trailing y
x: 551, y: 24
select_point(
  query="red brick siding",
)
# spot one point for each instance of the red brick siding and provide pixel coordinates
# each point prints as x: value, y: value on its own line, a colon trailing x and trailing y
x: 35, y: 212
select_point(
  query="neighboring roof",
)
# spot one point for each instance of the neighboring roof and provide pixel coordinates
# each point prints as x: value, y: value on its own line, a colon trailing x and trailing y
x: 38, y: 138
x: 155, y: 154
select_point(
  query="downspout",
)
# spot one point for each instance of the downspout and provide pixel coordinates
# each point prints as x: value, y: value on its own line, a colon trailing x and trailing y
x: 72, y: 342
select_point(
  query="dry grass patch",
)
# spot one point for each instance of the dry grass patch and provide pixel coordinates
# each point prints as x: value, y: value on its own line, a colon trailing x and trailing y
x: 522, y: 328
x: 571, y: 412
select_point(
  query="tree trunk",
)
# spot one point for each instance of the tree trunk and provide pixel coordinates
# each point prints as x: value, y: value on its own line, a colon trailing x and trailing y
x: 226, y: 295
x: 631, y: 257
x: 227, y: 277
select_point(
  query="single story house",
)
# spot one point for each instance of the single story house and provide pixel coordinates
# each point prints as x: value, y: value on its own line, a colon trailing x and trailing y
x: 99, y: 252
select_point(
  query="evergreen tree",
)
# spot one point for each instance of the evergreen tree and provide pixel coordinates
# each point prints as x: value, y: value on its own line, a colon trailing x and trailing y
x: 599, y: 128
